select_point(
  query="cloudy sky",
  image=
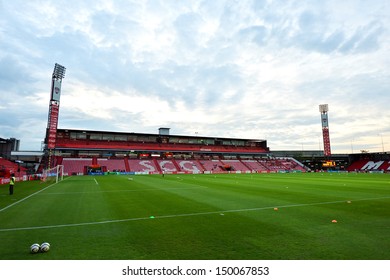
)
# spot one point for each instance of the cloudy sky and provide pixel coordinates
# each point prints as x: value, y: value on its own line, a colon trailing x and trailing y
x: 254, y: 69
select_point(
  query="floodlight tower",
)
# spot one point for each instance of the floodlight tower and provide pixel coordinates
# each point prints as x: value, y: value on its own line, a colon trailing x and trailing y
x: 325, y: 129
x: 54, y: 109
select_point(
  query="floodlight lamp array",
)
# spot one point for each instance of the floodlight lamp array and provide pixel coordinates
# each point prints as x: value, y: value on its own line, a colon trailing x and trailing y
x: 323, y: 108
x: 59, y: 71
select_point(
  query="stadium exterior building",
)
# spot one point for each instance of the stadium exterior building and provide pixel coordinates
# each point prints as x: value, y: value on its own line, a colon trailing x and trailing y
x: 7, y: 146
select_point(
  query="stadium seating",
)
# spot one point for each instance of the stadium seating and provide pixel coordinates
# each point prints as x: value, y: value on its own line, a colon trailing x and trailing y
x: 290, y: 164
x: 213, y: 165
x: 112, y: 164
x: 367, y: 165
x: 12, y: 167
x: 167, y: 166
x: 235, y: 165
x: 156, y: 166
x: 255, y: 165
x: 192, y: 166
x: 273, y: 165
x: 75, y: 165
x: 137, y: 165
x: 357, y: 165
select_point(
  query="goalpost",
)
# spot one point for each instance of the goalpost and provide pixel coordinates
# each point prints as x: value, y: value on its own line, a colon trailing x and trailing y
x: 55, y: 174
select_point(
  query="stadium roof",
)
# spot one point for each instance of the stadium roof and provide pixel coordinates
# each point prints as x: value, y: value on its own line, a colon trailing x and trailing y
x: 156, y: 134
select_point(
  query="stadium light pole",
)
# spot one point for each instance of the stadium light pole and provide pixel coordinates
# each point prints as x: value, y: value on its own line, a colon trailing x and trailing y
x: 54, y: 106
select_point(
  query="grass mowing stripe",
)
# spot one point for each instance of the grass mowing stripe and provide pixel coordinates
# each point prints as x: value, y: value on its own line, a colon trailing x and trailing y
x: 23, y: 199
x: 140, y: 190
x: 189, y: 214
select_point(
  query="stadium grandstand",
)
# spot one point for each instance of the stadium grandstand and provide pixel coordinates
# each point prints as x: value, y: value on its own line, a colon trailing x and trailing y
x: 7, y: 165
x: 370, y: 162
x: 84, y: 152
x: 90, y: 152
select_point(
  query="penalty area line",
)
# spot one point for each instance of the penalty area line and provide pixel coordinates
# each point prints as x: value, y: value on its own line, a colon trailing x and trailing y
x: 187, y: 215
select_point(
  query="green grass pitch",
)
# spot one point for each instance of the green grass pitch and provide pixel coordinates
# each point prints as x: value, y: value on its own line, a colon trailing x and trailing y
x: 193, y: 217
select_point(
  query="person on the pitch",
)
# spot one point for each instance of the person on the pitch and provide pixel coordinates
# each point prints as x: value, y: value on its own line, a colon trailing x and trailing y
x: 11, y: 184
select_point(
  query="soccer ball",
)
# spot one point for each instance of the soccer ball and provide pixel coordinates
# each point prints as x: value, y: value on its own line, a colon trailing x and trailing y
x: 45, y: 247
x: 34, y: 248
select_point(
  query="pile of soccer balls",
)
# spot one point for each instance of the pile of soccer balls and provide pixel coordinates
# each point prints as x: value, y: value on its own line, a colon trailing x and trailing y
x: 36, y: 248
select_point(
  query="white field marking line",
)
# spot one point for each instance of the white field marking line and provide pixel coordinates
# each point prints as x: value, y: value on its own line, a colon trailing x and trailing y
x: 139, y: 190
x: 188, y: 214
x: 23, y: 199
x: 96, y: 181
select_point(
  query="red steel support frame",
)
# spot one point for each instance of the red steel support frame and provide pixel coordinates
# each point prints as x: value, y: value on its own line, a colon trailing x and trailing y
x: 325, y: 136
